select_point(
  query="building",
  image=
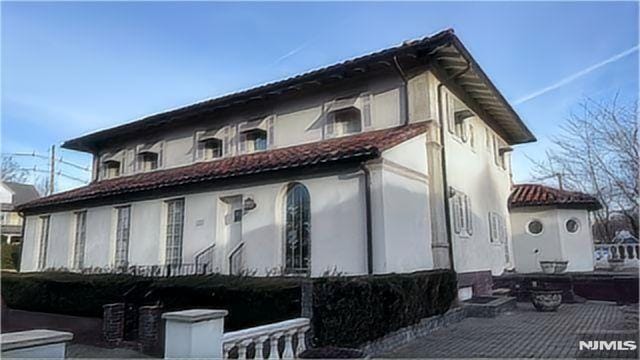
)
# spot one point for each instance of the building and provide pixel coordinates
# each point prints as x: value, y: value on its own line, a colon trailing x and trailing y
x: 11, y: 195
x: 550, y: 224
x: 344, y: 170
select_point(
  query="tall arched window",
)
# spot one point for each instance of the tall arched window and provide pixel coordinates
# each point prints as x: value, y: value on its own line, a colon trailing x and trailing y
x: 297, y: 229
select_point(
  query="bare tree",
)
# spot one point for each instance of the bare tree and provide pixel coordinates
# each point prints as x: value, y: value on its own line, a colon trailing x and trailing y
x: 11, y: 171
x: 597, y: 152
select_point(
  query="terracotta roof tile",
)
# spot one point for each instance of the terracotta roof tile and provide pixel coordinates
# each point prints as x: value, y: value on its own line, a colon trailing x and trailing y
x: 358, y: 147
x: 525, y: 195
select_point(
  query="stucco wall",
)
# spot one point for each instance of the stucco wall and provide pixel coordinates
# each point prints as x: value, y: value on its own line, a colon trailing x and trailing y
x: 337, y: 220
x: 555, y: 242
x: 472, y: 170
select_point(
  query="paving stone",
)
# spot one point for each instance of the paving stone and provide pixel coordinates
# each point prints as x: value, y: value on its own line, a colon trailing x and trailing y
x: 526, y: 333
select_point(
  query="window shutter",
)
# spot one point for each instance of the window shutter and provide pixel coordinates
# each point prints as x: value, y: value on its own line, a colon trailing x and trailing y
x: 160, y: 154
x: 330, y: 124
x: 366, y: 110
x: 457, y: 219
x: 451, y: 119
x: 469, y: 215
x: 492, y: 229
x: 198, y: 146
x: 243, y: 142
x: 270, y: 128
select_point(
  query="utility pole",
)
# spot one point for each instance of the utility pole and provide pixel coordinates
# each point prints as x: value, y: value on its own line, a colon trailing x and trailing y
x: 52, y: 169
x: 559, y: 176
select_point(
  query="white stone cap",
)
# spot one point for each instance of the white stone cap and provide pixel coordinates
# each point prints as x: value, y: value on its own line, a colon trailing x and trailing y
x: 30, y: 338
x: 195, y: 315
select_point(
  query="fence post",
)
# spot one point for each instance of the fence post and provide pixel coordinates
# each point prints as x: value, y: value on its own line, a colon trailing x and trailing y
x: 194, y: 333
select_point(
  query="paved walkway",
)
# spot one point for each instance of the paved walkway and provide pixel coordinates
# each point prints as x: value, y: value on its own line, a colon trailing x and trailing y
x: 526, y: 333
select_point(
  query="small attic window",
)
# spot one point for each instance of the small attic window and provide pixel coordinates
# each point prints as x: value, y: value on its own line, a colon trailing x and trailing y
x: 346, y: 121
x: 254, y: 140
x: 147, y: 161
x: 212, y: 148
x: 460, y: 129
x: 111, y: 169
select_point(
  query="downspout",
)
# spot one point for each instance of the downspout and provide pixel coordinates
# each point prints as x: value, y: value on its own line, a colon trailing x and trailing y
x: 368, y: 217
x: 443, y: 160
x: 405, y: 90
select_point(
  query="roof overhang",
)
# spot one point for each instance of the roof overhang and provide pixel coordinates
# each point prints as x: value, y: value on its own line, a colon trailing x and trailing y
x: 443, y: 51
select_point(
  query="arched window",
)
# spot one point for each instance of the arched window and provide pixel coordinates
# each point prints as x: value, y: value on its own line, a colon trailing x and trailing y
x: 297, y: 229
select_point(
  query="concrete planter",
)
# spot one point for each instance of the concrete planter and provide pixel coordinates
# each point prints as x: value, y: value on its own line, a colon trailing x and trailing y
x: 560, y: 266
x: 548, y: 267
x: 546, y: 300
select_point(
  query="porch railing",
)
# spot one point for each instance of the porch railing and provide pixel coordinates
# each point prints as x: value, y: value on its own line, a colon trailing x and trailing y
x: 627, y: 252
x: 291, y: 333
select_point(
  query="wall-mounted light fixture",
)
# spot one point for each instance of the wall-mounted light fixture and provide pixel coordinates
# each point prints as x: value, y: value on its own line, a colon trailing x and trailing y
x: 249, y: 204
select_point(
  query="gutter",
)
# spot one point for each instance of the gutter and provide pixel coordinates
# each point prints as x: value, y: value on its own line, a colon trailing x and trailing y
x: 405, y: 90
x: 443, y: 159
x: 368, y: 217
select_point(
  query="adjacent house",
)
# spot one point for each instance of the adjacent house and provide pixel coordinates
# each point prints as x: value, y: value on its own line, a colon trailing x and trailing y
x: 13, y: 194
x: 395, y: 161
x: 550, y: 224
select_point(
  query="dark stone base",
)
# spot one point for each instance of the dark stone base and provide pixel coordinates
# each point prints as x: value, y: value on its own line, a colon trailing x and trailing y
x: 490, y: 308
x: 480, y: 281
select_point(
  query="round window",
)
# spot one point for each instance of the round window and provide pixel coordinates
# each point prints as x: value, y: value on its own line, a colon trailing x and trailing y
x: 572, y: 225
x: 535, y: 227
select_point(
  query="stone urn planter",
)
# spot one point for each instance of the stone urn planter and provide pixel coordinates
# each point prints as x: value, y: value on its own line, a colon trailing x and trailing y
x: 548, y: 267
x: 616, y: 264
x: 546, y: 300
x: 560, y: 266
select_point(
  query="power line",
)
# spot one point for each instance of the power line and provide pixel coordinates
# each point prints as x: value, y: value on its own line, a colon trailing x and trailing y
x: 48, y: 158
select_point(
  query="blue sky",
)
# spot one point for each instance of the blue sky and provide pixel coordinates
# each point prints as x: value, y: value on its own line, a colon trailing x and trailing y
x: 72, y: 68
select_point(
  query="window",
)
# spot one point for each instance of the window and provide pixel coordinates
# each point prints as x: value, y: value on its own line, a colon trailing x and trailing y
x: 147, y: 161
x: 44, y: 242
x: 81, y: 236
x: 462, y: 214
x: 211, y: 149
x: 111, y: 169
x: 460, y: 128
x: 253, y: 140
x: 236, y: 261
x: 487, y: 139
x: 346, y: 121
x: 472, y: 137
x: 122, y: 235
x: 497, y: 228
x: 535, y: 227
x: 572, y: 225
x: 175, y: 226
x: 297, y: 229
x: 499, y: 150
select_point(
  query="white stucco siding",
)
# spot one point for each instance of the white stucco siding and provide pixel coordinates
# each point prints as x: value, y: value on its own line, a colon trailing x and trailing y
x: 146, y: 240
x: 472, y: 171
x: 99, y: 245
x: 555, y: 242
x: 28, y: 259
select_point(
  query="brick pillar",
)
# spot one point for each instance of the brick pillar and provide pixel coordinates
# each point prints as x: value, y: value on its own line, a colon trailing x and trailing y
x: 113, y: 323
x: 149, y: 327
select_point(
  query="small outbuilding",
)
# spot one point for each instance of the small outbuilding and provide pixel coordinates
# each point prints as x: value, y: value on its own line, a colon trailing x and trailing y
x: 550, y: 224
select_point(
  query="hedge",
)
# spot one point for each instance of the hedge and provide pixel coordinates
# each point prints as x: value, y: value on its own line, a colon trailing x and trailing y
x: 350, y: 311
x: 10, y: 256
x: 250, y: 301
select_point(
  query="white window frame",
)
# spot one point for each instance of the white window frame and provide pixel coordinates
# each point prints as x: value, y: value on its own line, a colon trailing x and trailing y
x: 174, y: 235
x: 248, y: 146
x: 461, y: 214
x: 123, y: 236
x: 80, y: 239
x: 108, y: 169
x: 43, y: 244
x: 145, y: 164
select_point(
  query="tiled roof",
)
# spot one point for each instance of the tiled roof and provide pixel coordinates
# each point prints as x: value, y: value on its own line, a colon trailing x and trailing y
x: 525, y: 195
x: 358, y: 147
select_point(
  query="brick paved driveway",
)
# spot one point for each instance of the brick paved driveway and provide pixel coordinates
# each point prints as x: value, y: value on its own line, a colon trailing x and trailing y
x: 525, y: 333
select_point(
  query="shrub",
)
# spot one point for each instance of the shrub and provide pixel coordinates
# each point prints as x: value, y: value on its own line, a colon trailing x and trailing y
x: 10, y: 256
x: 350, y: 311
x: 250, y: 301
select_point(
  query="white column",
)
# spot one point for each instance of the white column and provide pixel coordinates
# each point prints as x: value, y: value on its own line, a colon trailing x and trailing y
x: 194, y: 333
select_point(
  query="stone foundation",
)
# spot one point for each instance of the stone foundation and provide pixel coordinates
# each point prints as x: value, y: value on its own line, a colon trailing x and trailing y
x: 480, y: 281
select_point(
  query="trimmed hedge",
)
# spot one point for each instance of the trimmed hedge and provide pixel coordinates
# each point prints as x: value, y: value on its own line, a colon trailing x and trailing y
x: 350, y: 311
x: 250, y: 301
x: 10, y: 256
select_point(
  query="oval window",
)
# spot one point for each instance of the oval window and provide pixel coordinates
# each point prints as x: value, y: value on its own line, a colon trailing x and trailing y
x: 572, y: 225
x: 535, y: 227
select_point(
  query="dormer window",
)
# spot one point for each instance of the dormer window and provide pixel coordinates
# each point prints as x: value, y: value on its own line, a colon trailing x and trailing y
x: 111, y: 169
x: 211, y: 148
x: 254, y: 140
x: 147, y: 161
x: 346, y: 121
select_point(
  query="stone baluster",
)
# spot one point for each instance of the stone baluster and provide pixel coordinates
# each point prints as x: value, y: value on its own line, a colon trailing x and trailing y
x: 289, y: 351
x: 242, y: 348
x: 227, y: 350
x: 260, y: 347
x: 273, y: 346
x: 302, y: 340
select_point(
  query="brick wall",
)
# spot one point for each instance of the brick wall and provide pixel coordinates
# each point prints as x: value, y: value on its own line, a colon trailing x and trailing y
x: 113, y: 323
x: 150, y: 329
